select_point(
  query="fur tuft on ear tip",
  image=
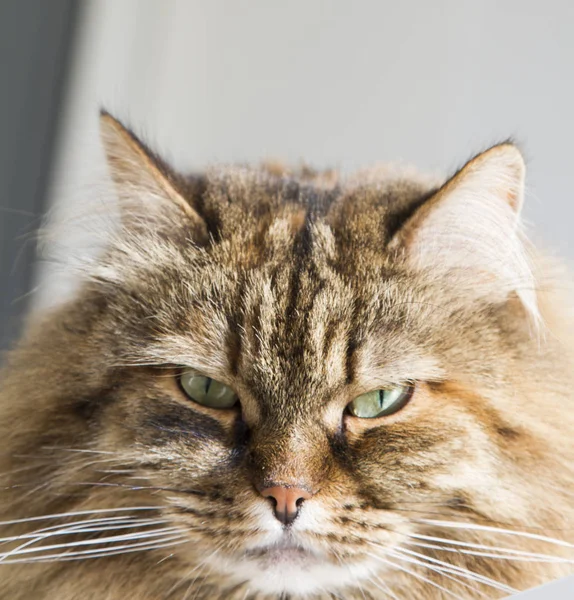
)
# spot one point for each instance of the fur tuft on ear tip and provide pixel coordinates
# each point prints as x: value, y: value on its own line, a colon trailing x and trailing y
x: 108, y: 120
x: 471, y: 228
x: 119, y: 140
x: 108, y: 116
x: 143, y: 181
x: 503, y: 171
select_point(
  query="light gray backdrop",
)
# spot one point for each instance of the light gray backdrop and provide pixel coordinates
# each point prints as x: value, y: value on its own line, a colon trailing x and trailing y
x: 340, y: 83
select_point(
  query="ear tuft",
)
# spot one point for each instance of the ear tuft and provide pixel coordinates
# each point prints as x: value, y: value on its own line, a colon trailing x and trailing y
x: 471, y: 227
x: 139, y: 175
x: 502, y: 172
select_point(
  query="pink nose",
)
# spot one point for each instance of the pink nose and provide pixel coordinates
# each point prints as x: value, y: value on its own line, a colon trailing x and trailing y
x: 287, y: 501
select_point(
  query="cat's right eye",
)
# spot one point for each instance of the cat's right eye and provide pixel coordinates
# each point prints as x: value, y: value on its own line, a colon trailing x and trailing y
x: 206, y: 391
x: 380, y: 403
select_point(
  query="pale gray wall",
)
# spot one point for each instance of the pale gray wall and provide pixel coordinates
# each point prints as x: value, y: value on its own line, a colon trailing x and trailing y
x: 558, y: 590
x: 35, y: 39
x: 344, y: 83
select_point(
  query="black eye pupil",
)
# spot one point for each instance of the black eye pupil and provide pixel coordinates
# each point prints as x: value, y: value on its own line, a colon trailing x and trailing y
x: 208, y: 381
x: 381, y: 398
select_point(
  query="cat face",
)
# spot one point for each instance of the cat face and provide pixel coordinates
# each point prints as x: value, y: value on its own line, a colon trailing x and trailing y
x: 300, y: 297
x: 296, y: 360
x: 309, y: 386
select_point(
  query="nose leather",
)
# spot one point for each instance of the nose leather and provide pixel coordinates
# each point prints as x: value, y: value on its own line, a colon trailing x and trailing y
x: 287, y: 501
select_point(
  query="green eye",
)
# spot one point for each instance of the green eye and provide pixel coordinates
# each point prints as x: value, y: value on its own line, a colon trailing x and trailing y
x: 207, y: 391
x: 380, y: 403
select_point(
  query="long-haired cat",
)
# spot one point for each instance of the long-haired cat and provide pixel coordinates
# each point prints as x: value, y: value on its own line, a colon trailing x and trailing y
x: 295, y: 385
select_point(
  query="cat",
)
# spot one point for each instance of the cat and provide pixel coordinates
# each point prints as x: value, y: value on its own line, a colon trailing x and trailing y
x: 289, y: 384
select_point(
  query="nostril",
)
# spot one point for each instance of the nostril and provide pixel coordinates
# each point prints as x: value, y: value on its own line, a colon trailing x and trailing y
x: 287, y: 501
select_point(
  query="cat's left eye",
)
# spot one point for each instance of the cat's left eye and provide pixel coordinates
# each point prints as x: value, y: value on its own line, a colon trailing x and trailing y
x: 207, y: 391
x: 380, y: 403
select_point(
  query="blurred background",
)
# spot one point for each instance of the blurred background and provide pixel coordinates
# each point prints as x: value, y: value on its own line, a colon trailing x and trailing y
x: 335, y: 83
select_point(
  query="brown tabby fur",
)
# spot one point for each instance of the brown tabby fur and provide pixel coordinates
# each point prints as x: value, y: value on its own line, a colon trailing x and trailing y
x: 300, y: 290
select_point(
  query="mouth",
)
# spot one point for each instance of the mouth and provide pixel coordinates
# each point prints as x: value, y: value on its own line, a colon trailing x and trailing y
x: 287, y: 567
x: 285, y: 551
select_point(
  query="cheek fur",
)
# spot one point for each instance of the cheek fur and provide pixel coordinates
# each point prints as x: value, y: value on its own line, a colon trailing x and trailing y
x: 429, y: 452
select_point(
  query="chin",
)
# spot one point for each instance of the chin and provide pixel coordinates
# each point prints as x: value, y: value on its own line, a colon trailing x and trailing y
x: 287, y: 568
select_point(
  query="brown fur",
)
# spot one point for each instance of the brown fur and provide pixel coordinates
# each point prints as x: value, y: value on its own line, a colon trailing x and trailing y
x: 301, y: 291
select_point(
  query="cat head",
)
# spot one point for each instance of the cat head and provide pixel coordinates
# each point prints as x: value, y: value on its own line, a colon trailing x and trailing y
x: 304, y: 370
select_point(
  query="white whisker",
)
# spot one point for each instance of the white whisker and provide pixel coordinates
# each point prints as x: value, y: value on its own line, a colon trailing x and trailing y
x: 447, y: 573
x: 84, y: 527
x: 80, y: 450
x: 103, y: 552
x: 471, y: 575
x: 198, y: 570
x: 476, y: 527
x: 24, y: 549
x: 78, y: 513
x: 514, y: 554
x: 246, y: 594
x: 383, y: 587
x: 413, y: 573
x: 117, y: 471
x: 472, y: 545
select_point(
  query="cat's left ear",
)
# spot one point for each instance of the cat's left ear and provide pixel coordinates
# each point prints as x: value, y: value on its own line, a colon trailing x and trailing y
x: 471, y: 228
x: 146, y: 186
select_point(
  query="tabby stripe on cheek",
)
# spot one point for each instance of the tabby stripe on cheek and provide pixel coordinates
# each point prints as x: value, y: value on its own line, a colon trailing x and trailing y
x: 352, y: 344
x: 233, y: 342
x: 329, y: 338
x: 235, y: 324
x: 253, y: 330
x: 301, y: 251
x: 175, y: 423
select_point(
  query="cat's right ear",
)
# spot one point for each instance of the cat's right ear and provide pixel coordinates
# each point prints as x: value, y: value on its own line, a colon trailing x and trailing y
x: 147, y: 188
x: 471, y: 228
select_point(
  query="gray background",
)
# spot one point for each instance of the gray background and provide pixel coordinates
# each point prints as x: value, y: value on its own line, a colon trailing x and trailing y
x: 340, y: 83
x: 559, y: 590
x: 35, y: 39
